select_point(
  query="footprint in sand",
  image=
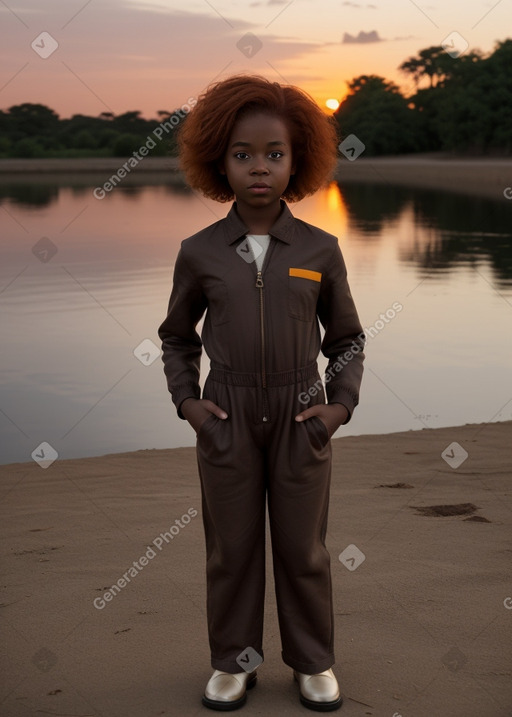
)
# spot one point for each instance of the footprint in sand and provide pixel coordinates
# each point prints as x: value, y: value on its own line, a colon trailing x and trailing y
x: 450, y: 510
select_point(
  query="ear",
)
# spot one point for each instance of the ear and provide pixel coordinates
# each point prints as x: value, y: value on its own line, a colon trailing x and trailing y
x: 220, y: 167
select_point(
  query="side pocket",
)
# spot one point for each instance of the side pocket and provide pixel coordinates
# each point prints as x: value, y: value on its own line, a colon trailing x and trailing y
x: 205, y: 424
x: 317, y: 432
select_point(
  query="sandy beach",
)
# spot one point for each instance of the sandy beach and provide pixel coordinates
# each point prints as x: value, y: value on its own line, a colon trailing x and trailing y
x: 482, y: 177
x: 423, y: 603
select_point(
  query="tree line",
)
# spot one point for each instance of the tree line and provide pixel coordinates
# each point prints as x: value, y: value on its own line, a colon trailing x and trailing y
x: 461, y: 105
x: 465, y: 107
x: 34, y: 130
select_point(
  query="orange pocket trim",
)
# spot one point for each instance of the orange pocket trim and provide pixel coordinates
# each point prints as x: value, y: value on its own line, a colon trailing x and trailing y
x: 306, y: 274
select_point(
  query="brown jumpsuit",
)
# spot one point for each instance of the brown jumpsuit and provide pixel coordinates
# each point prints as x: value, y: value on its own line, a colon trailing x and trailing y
x: 262, y: 336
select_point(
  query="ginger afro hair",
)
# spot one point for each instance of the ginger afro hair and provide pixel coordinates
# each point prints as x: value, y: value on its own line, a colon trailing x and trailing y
x: 204, y: 135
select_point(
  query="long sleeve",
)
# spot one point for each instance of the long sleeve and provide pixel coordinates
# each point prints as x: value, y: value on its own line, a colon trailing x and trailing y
x: 181, y: 344
x: 344, y: 339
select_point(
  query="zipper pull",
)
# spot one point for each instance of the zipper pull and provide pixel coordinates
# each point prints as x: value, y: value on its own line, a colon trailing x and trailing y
x: 259, y: 280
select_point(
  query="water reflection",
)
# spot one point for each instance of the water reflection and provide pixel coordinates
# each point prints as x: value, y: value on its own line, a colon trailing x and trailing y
x: 70, y: 326
x: 466, y: 230
x: 43, y: 189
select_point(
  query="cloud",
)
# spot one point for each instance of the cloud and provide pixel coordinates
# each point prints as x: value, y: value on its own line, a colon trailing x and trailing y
x: 267, y: 3
x: 126, y: 54
x: 361, y: 38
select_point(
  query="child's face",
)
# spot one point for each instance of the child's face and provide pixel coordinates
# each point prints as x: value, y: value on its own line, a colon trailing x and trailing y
x: 259, y: 152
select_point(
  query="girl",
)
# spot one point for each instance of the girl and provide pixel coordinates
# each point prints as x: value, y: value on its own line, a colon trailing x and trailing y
x: 263, y: 427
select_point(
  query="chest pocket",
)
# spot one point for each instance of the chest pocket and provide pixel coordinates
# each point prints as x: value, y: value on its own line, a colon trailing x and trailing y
x: 303, y: 291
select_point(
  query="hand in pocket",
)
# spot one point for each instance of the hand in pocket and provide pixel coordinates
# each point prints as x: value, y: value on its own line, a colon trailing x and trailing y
x: 197, y: 410
x: 332, y: 415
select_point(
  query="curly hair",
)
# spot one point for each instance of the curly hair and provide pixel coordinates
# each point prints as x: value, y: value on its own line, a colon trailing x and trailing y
x: 204, y: 135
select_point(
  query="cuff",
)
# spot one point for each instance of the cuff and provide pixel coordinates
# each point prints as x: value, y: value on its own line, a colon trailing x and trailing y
x: 339, y: 394
x: 180, y: 393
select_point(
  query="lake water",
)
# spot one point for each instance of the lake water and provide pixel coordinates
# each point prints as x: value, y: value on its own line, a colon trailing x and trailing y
x: 83, y: 282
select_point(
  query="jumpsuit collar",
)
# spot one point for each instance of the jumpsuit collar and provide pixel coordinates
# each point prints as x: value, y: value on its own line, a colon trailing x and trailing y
x: 281, y: 229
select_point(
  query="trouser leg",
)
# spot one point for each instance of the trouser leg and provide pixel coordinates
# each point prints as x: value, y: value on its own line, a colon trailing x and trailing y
x: 299, y: 466
x: 233, y: 506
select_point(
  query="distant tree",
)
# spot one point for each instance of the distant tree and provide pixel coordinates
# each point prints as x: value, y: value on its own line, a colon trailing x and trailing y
x: 5, y: 146
x: 377, y: 113
x: 130, y: 123
x: 30, y: 120
x: 84, y: 140
x: 28, y: 148
x: 436, y: 65
x: 126, y: 144
x: 106, y: 137
x: 433, y: 63
x: 471, y: 110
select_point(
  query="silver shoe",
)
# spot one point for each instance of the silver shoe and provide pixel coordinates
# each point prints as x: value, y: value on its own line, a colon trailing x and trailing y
x: 226, y: 691
x: 319, y: 692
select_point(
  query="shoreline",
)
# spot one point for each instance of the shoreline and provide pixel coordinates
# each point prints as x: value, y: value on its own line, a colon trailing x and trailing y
x: 484, y: 177
x: 369, y: 437
x: 419, y: 552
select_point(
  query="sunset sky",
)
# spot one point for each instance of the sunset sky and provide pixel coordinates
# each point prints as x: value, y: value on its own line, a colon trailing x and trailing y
x: 150, y: 55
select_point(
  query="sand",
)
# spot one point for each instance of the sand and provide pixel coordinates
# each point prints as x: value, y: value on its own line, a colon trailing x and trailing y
x: 483, y: 177
x: 422, y: 623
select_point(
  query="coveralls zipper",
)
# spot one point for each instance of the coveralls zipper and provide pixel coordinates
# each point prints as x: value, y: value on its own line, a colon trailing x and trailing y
x: 260, y: 286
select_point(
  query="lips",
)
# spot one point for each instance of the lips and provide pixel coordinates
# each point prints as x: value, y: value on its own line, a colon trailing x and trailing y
x: 259, y: 185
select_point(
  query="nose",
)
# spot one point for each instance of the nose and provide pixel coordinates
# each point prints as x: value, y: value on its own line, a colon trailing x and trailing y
x: 259, y: 166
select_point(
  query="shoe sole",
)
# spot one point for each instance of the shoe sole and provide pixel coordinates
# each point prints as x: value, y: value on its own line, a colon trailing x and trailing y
x: 226, y: 706
x: 321, y: 706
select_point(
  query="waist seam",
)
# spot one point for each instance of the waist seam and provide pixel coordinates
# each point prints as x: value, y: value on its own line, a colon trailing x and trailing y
x: 273, y: 379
